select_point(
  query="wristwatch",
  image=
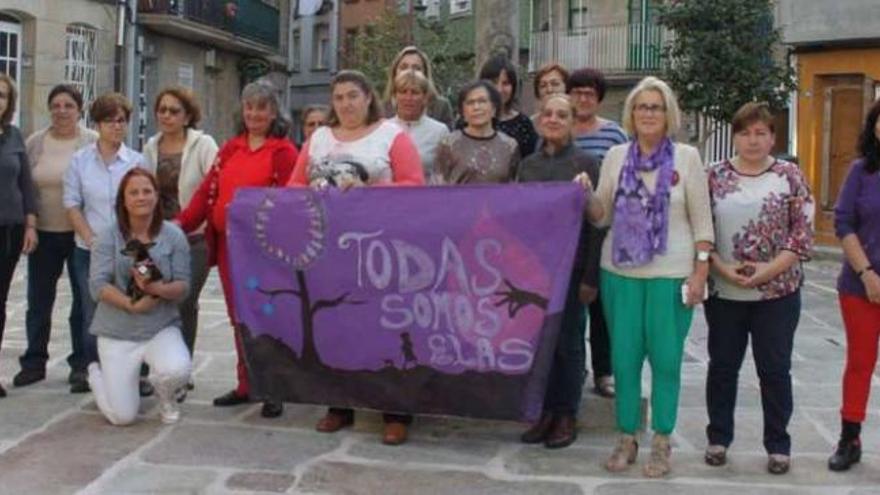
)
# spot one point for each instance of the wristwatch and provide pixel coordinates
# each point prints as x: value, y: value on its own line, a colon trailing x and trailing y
x: 703, y: 256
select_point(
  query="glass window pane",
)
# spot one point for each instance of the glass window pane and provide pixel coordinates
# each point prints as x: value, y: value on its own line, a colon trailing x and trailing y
x: 2, y: 66
x: 4, y: 39
x: 13, y: 45
x: 13, y: 70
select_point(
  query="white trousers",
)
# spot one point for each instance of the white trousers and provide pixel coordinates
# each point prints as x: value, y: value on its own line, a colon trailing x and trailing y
x: 115, y: 381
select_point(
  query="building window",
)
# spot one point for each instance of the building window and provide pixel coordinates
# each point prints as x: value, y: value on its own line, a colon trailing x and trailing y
x: 459, y: 7
x: 295, y: 51
x: 577, y: 15
x: 321, y: 47
x: 80, y: 68
x: 10, y: 55
x: 432, y: 8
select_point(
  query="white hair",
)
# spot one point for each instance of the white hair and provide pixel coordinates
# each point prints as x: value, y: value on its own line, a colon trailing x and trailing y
x: 673, y: 113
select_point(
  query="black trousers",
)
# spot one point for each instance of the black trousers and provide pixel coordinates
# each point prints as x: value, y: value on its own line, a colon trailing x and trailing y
x: 11, y: 240
x: 771, y: 325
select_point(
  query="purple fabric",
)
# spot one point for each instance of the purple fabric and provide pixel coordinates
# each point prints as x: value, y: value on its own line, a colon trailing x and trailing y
x: 641, y: 219
x: 442, y: 300
x: 858, y: 212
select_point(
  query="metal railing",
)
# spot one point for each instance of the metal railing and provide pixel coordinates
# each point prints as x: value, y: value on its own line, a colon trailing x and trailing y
x: 623, y: 47
x: 251, y: 19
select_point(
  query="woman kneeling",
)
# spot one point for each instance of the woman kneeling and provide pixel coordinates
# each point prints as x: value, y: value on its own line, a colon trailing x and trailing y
x: 137, y: 319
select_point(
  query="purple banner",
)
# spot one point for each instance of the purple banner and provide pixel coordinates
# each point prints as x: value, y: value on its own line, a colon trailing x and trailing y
x: 440, y: 300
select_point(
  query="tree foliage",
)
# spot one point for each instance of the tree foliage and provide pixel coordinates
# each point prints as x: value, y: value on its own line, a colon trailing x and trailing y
x: 372, y: 50
x: 721, y: 56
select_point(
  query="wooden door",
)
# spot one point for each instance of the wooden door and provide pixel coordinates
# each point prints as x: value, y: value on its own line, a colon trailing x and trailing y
x: 843, y: 113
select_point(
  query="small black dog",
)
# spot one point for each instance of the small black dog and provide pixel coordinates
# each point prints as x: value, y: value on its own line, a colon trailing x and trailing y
x: 143, y: 263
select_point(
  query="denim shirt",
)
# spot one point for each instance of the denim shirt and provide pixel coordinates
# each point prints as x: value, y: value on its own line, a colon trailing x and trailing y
x: 110, y: 266
x: 91, y: 185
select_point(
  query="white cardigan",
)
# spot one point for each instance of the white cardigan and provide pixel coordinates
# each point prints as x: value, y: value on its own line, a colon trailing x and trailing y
x: 199, y: 153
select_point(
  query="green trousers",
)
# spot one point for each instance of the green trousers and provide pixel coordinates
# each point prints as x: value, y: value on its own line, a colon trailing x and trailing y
x: 645, y: 318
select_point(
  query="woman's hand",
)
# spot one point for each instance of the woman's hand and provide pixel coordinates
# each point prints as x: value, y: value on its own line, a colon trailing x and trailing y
x: 587, y: 294
x: 30, y: 240
x: 757, y: 274
x: 733, y: 273
x: 584, y: 181
x: 872, y: 286
x: 143, y: 305
x: 696, y: 289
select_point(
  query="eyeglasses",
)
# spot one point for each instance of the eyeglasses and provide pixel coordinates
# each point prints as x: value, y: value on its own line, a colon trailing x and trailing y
x: 121, y: 121
x: 551, y: 83
x: 645, y: 108
x: 584, y: 93
x: 169, y: 110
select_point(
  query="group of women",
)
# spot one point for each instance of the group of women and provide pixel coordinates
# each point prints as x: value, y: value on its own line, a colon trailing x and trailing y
x: 663, y: 233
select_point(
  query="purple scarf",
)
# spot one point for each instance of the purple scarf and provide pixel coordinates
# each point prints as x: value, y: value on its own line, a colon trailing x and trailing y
x: 641, y: 219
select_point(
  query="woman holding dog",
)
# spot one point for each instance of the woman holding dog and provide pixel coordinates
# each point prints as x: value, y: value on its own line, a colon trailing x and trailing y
x: 137, y: 320
x: 260, y: 156
x: 358, y: 148
x: 763, y: 215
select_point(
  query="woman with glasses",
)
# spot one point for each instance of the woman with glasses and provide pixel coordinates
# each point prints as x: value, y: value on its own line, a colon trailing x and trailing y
x: 550, y: 79
x: 476, y: 153
x: 49, y: 152
x: 180, y: 155
x: 654, y: 195
x: 18, y: 205
x: 90, y: 185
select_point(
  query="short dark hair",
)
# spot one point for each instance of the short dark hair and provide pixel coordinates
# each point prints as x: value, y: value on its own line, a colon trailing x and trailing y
x: 6, y: 118
x: 547, y: 69
x: 494, y: 95
x: 108, y: 105
x: 374, y: 113
x: 187, y: 99
x: 492, y: 70
x: 69, y: 90
x: 752, y: 113
x: 587, y: 78
x: 869, y: 145
x: 122, y: 220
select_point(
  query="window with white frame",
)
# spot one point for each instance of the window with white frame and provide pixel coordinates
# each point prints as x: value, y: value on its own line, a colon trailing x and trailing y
x: 321, y: 47
x: 577, y: 15
x: 80, y: 67
x: 459, y: 7
x: 432, y: 8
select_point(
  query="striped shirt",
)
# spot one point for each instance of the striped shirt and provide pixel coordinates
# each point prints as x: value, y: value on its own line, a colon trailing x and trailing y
x: 598, y: 142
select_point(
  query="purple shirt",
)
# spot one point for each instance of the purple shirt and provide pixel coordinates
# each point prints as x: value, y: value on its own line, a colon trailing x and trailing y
x: 858, y: 212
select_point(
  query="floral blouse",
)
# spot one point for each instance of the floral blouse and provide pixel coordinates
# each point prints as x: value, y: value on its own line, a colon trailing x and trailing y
x: 756, y: 217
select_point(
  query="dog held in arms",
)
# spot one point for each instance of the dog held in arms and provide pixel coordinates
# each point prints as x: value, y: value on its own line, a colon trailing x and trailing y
x: 143, y: 264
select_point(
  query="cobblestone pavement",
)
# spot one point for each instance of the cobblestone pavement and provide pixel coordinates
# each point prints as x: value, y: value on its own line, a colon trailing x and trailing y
x: 54, y: 442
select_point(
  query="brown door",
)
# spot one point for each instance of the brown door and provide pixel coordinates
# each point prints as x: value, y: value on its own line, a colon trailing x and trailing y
x: 842, y: 120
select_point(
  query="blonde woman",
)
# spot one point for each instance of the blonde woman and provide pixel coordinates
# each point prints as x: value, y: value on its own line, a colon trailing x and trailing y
x: 411, y: 58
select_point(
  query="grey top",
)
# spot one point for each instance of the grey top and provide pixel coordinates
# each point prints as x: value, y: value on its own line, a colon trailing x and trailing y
x: 110, y: 266
x: 17, y: 193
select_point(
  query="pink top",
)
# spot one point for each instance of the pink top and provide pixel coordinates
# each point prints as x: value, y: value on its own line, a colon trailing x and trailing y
x: 386, y: 155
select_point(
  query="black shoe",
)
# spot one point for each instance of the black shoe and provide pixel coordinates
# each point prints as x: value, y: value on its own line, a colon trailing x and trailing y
x: 28, y: 376
x: 2, y: 392
x: 80, y: 386
x: 272, y: 409
x: 145, y: 388
x: 848, y: 452
x: 539, y: 431
x: 76, y: 376
x: 231, y: 398
x: 778, y: 464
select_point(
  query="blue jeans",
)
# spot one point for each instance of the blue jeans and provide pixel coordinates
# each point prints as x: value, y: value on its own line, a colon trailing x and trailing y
x: 771, y: 325
x: 85, y: 345
x: 45, y: 265
x: 566, y: 381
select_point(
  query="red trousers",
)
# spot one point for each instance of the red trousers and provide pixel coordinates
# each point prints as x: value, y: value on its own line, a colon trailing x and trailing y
x: 243, y: 387
x: 862, y: 321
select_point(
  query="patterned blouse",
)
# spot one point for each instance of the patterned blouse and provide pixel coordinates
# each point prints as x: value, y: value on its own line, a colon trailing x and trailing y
x: 756, y: 217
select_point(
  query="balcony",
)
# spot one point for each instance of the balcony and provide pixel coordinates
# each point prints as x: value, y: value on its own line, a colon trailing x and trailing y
x: 245, y: 26
x: 616, y: 49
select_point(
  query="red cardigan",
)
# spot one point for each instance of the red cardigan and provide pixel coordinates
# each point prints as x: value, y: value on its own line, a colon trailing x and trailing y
x: 236, y: 166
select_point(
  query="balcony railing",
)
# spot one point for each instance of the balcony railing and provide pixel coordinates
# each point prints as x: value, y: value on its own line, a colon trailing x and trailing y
x: 613, y: 48
x: 251, y: 19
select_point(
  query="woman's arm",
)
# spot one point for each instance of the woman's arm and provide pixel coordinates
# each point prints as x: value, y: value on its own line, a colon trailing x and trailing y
x: 73, y: 201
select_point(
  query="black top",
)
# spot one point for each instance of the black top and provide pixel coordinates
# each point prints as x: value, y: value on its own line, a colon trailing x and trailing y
x: 521, y: 129
x: 17, y: 193
x: 564, y: 165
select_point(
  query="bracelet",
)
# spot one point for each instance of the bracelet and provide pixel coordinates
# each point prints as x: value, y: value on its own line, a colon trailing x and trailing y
x: 869, y: 268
